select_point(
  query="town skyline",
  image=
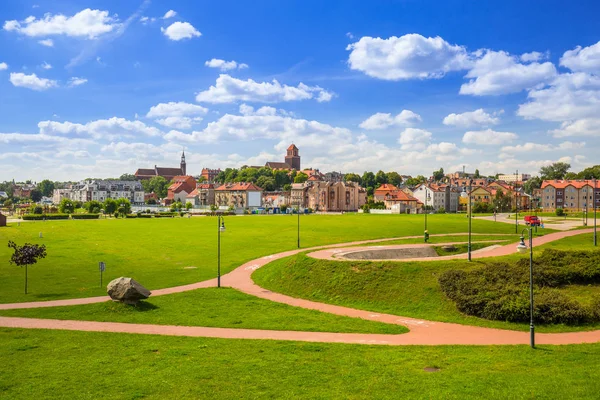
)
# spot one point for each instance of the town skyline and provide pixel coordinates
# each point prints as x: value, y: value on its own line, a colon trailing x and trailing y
x: 406, y: 87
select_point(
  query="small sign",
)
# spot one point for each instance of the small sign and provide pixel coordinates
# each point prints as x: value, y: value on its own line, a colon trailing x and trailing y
x: 101, y: 266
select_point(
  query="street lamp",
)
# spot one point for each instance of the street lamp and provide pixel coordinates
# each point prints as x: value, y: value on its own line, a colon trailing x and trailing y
x: 427, y: 197
x: 220, y: 228
x: 595, y: 206
x: 470, y: 216
x: 298, y: 224
x: 522, y: 248
x: 516, y: 203
x: 584, y: 216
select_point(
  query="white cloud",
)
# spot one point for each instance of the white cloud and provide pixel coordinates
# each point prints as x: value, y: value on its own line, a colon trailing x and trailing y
x: 406, y: 57
x: 228, y: 90
x: 349, y: 35
x: 75, y: 81
x: 533, y: 56
x: 31, y: 81
x: 530, y: 147
x: 584, y: 59
x: 581, y: 127
x: 385, y: 120
x: 100, y: 129
x: 471, y: 118
x: 497, y: 72
x: 488, y: 137
x: 414, y: 139
x: 180, y: 30
x: 175, y: 109
x: 3, y: 66
x: 179, y: 122
x: 46, y: 42
x: 45, y: 65
x: 569, y: 97
x: 86, y: 23
x: 169, y: 14
x: 225, y: 65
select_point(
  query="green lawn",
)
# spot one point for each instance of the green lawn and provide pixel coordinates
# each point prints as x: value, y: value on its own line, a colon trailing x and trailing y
x: 224, y: 307
x: 502, y: 239
x: 89, y: 365
x: 167, y: 252
x: 408, y: 289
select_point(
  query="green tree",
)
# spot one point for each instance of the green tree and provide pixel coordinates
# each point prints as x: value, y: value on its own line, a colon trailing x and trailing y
x: 127, y: 177
x: 35, y: 195
x: 394, y: 178
x: 92, y: 206
x: 266, y: 182
x: 535, y: 182
x: 281, y: 178
x: 301, y: 177
x: 380, y: 178
x: 368, y: 181
x: 590, y: 173
x: 66, y: 206
x: 110, y: 206
x: 123, y: 206
x: 189, y: 206
x: 352, y: 177
x: 438, y: 175
x: 476, y: 175
x: 247, y: 175
x: 158, y: 185
x: 26, y: 255
x: 46, y: 187
x: 557, y: 170
x: 287, y: 187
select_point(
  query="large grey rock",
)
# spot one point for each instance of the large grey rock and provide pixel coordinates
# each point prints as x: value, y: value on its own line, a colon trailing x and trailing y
x: 127, y: 290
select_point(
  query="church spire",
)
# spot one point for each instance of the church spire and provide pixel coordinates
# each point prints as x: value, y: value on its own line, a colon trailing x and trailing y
x: 183, y: 164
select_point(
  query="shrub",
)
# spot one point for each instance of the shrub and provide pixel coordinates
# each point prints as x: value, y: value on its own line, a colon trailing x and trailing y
x: 37, y: 210
x: 441, y: 210
x: 85, y: 216
x: 144, y: 216
x: 500, y: 291
x: 559, y: 212
x: 131, y: 216
x: 37, y: 217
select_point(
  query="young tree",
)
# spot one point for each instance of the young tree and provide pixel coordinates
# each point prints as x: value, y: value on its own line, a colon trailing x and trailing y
x: 47, y: 187
x: 26, y: 255
x: 66, y: 206
x: 532, y: 183
x: 557, y: 170
x: 123, y: 206
x: 110, y: 206
x: 476, y: 175
x: 301, y: 177
x: 35, y: 195
x: 92, y: 206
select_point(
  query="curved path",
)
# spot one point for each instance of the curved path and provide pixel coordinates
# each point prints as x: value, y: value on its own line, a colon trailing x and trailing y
x: 422, y: 332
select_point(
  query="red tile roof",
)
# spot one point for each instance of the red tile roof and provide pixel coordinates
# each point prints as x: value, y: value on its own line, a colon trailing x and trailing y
x: 386, y: 187
x: 561, y: 184
x: 239, y: 186
x: 399, y: 195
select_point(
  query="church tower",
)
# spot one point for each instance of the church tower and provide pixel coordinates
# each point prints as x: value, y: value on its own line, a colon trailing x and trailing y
x: 182, y: 165
x: 293, y: 159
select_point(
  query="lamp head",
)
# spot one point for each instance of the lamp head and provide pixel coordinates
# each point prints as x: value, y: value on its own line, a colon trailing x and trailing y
x: 522, y: 247
x: 222, y: 227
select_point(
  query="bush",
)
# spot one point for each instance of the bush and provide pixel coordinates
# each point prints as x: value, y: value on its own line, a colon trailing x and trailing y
x: 131, y: 216
x: 559, y: 212
x: 144, y: 216
x: 441, y: 210
x: 85, y: 216
x: 37, y: 217
x: 37, y: 210
x: 166, y: 214
x: 500, y: 291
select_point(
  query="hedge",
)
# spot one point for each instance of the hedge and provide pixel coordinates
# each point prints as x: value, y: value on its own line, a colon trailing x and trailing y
x: 131, y: 216
x: 38, y: 217
x: 144, y: 215
x: 500, y: 291
x: 85, y: 216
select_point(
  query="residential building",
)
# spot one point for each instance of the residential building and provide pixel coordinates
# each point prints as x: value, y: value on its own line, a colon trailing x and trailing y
x: 328, y: 196
x: 438, y: 196
x: 101, y: 190
x: 239, y: 195
x: 203, y: 195
x: 166, y: 172
x: 514, y: 177
x: 402, y: 203
x: 333, y: 176
x: 276, y: 199
x: 23, y: 190
x: 383, y: 190
x: 210, y: 175
x: 182, y: 186
x: 571, y: 195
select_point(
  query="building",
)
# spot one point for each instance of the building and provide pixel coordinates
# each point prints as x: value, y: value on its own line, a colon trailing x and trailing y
x: 3, y: 195
x: 165, y: 172
x: 333, y: 176
x: 23, y: 190
x: 328, y: 196
x: 2, y: 219
x: 514, y: 177
x: 276, y: 199
x: 182, y: 186
x: 202, y: 196
x: 239, y: 195
x: 571, y: 195
x: 402, y: 203
x: 383, y: 190
x: 210, y: 175
x: 292, y: 160
x: 438, y: 196
x: 101, y: 190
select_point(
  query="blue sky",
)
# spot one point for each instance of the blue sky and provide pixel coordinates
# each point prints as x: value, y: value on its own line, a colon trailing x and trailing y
x: 100, y: 88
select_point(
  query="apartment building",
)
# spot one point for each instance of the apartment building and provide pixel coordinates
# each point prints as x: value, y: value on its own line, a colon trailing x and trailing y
x: 571, y: 195
x: 101, y: 190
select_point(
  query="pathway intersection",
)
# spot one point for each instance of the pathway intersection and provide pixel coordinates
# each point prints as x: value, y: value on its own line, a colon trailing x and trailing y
x: 422, y: 332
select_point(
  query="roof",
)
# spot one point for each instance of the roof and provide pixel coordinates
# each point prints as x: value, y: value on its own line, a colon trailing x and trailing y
x: 314, y: 178
x: 561, y: 184
x: 3, y: 194
x: 177, y: 187
x: 399, y: 195
x: 386, y: 187
x: 145, y: 171
x: 205, y: 186
x: 292, y: 147
x: 278, y: 165
x: 239, y: 186
x: 193, y: 193
x: 168, y: 171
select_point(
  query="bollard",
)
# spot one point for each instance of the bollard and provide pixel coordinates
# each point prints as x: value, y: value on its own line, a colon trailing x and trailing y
x: 40, y: 234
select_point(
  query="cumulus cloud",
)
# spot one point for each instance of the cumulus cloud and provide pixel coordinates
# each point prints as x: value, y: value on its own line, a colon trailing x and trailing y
x: 488, y: 137
x: 471, y: 118
x: 46, y: 42
x: 180, y: 30
x: 225, y: 65
x: 530, y: 147
x: 533, y: 56
x: 3, y: 66
x: 582, y: 59
x: 228, y: 90
x: 169, y: 14
x: 86, y: 23
x: 175, y: 109
x: 45, y: 65
x: 497, y: 72
x: 31, y: 81
x: 385, y: 120
x: 414, y: 139
x: 75, y: 81
x: 179, y: 122
x: 406, y: 57
x: 581, y: 127
x: 100, y: 129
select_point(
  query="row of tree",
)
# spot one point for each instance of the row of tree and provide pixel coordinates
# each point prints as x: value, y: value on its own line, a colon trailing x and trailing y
x: 109, y: 206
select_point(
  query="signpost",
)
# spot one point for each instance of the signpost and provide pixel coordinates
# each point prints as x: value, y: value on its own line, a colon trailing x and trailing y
x: 102, y: 268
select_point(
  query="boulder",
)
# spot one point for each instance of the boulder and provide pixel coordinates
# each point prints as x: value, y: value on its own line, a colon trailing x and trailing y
x: 449, y: 247
x: 127, y: 290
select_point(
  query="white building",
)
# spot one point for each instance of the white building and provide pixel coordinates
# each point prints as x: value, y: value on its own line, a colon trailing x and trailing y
x: 101, y: 190
x: 438, y: 196
x: 514, y: 177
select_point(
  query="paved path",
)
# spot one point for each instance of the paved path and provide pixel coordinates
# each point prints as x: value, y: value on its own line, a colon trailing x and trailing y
x: 562, y: 225
x: 422, y: 332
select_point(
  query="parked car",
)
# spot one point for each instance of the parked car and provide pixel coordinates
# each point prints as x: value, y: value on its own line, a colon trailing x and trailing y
x: 532, y: 220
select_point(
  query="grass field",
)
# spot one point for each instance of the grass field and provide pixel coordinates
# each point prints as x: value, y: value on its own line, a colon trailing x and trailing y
x: 168, y: 252
x: 408, y: 289
x: 225, y: 308
x: 84, y: 365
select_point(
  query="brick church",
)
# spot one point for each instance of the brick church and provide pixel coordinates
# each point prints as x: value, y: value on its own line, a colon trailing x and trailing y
x: 292, y: 160
x: 166, y: 172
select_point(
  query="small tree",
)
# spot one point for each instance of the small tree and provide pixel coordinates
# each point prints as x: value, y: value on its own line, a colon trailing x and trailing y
x: 26, y: 255
x: 110, y: 206
x: 66, y: 206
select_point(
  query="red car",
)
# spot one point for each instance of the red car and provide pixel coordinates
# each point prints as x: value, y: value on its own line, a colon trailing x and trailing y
x: 532, y: 220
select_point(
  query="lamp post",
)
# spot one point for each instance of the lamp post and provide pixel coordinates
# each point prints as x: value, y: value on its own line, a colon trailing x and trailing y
x: 595, y: 206
x: 298, y: 225
x: 583, y: 217
x: 427, y: 197
x: 516, y: 203
x: 470, y: 216
x: 220, y: 228
x: 522, y: 248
